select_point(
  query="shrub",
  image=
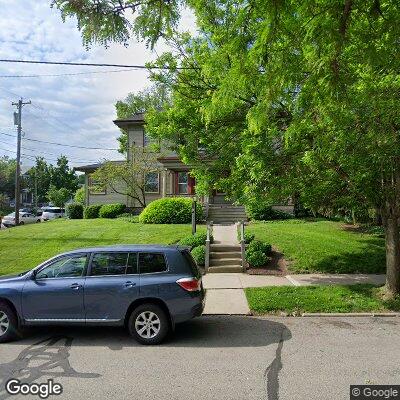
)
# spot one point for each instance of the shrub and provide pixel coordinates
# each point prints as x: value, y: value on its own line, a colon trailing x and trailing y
x: 199, y: 254
x: 79, y: 196
x: 92, y: 211
x: 262, y: 211
x: 171, y: 210
x: 258, y: 245
x: 74, y: 211
x: 256, y: 258
x: 111, y: 210
x: 195, y: 240
x: 248, y: 237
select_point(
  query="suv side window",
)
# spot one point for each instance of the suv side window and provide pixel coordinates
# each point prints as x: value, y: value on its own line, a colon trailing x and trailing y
x: 132, y: 267
x: 151, y: 263
x: 65, y: 267
x: 108, y: 264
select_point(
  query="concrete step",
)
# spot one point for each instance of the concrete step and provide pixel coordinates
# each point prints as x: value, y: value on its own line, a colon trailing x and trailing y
x: 215, y: 262
x: 225, y: 207
x: 224, y: 248
x: 225, y: 269
x: 226, y: 254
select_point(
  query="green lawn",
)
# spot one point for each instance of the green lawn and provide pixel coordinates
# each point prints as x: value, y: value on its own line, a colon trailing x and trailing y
x: 24, y: 247
x: 323, y: 246
x: 299, y: 299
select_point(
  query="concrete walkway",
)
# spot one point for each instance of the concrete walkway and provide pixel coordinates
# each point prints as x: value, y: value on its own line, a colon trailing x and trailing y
x: 225, y: 234
x: 225, y: 293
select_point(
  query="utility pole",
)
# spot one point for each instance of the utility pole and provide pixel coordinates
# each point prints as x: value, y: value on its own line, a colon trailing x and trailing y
x: 18, y: 121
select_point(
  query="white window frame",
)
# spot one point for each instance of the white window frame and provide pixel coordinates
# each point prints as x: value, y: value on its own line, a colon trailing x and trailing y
x: 185, y: 183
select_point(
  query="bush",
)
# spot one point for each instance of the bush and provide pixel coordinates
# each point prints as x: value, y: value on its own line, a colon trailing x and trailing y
x: 79, y: 196
x: 74, y: 211
x: 112, y: 210
x: 92, y: 211
x: 256, y: 258
x: 263, y: 212
x: 195, y: 240
x: 248, y: 237
x: 170, y: 210
x: 258, y: 245
x: 199, y: 254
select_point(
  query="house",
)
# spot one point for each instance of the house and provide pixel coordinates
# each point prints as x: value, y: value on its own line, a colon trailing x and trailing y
x: 173, y: 180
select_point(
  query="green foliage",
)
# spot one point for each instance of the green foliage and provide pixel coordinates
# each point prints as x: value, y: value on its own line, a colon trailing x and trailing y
x: 248, y: 237
x: 262, y: 211
x: 199, y: 254
x: 170, y: 210
x: 92, y: 211
x: 258, y: 245
x: 111, y: 210
x: 332, y: 298
x: 79, y: 196
x: 74, y: 211
x: 7, y: 176
x: 198, y: 239
x: 256, y: 258
x: 58, y: 197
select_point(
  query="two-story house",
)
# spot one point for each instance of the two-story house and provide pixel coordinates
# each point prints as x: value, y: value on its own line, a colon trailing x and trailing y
x: 172, y: 180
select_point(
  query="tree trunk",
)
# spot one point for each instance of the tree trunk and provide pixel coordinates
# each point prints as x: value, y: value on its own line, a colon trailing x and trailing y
x: 392, y: 255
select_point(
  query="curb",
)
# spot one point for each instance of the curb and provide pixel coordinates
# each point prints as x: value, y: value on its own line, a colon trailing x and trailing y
x: 378, y: 314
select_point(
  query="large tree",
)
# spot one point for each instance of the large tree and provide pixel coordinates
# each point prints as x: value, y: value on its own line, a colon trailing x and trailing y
x: 7, y: 176
x: 288, y: 97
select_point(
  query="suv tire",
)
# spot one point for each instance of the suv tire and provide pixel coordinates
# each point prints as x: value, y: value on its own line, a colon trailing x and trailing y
x: 149, y: 324
x: 8, y: 323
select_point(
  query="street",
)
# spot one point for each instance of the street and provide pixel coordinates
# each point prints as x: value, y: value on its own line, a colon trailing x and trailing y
x: 214, y: 357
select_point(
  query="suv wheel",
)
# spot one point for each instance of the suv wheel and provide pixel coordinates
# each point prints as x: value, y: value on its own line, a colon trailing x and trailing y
x: 149, y: 324
x: 8, y: 323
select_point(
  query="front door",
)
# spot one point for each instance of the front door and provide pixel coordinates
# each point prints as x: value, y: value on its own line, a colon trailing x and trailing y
x: 111, y: 286
x: 55, y: 294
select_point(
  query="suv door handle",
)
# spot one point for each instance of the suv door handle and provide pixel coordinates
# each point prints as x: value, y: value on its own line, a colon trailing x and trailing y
x: 130, y: 284
x: 76, y: 286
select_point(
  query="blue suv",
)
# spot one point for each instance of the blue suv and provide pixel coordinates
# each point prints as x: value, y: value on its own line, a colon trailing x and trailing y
x: 146, y: 288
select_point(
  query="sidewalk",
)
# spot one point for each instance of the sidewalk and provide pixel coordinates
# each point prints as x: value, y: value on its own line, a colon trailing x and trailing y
x: 241, y: 281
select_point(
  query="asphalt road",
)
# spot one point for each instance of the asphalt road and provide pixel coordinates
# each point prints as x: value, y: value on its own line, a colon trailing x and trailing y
x: 218, y: 357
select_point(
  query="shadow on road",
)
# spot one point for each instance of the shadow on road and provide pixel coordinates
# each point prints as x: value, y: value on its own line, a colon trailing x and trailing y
x: 47, y: 351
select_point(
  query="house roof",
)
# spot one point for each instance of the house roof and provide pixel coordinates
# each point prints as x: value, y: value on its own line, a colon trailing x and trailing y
x: 93, y: 167
x: 135, y: 119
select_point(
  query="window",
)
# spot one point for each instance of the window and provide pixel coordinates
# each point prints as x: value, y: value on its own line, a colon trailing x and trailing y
x: 66, y: 267
x: 183, y: 179
x: 146, y: 139
x: 152, y: 182
x: 151, y: 262
x: 108, y: 264
x: 95, y: 187
x: 132, y: 264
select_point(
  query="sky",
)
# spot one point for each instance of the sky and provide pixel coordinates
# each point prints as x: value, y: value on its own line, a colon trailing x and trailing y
x: 75, y: 110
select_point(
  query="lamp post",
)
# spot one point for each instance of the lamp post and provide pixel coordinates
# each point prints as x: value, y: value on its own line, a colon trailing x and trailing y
x: 193, y: 215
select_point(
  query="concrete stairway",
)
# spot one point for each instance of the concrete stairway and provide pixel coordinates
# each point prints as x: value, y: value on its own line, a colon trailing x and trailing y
x: 225, y: 258
x: 226, y: 213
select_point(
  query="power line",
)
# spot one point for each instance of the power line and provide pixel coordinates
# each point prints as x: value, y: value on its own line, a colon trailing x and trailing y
x: 91, y: 64
x: 70, y: 74
x: 60, y: 144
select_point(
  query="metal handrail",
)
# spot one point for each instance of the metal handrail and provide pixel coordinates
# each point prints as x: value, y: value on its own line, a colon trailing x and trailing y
x: 208, y: 245
x: 242, y: 245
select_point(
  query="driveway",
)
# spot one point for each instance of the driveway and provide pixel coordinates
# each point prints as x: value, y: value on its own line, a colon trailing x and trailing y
x: 213, y: 357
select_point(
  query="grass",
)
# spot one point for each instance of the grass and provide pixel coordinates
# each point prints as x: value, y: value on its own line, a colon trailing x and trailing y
x: 323, y: 246
x: 24, y: 247
x: 335, y: 298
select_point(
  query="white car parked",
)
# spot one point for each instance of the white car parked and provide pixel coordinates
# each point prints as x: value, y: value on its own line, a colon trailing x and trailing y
x: 24, y: 218
x: 50, y: 213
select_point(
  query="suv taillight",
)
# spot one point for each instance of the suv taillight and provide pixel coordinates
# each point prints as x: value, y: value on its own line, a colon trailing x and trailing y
x: 189, y: 284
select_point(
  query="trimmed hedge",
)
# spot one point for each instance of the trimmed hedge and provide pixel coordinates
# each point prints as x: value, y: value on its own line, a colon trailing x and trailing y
x: 170, y: 210
x: 198, y: 239
x: 199, y: 254
x: 74, y: 211
x: 112, y: 210
x: 91, y: 212
x: 264, y: 212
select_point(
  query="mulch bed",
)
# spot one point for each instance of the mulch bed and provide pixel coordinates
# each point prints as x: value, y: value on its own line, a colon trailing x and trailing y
x: 278, y: 265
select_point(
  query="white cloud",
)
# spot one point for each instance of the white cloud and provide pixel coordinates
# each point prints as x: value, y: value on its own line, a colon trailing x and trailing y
x: 76, y: 110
